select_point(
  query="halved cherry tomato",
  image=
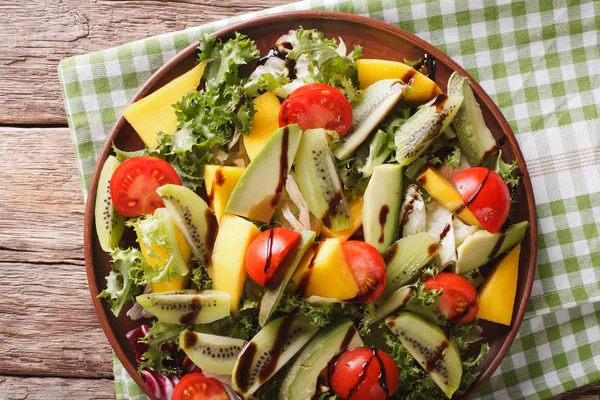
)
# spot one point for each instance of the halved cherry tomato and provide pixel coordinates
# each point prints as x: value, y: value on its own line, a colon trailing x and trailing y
x: 196, y: 386
x: 317, y: 105
x: 458, y: 302
x: 486, y: 195
x: 267, y: 251
x: 367, y: 267
x: 134, y: 183
x: 363, y: 374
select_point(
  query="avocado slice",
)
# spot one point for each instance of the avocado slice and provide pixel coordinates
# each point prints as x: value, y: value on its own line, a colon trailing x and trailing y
x: 260, y: 187
x: 398, y: 299
x: 482, y: 246
x: 269, y: 350
x: 424, y: 127
x: 476, y: 140
x: 381, y: 206
x: 405, y: 258
x: 277, y: 285
x: 319, y: 182
x: 436, y: 352
x: 300, y: 383
x: 373, y: 105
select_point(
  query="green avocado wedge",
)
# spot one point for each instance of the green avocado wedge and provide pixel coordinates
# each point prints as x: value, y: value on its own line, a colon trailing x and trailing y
x: 300, y: 383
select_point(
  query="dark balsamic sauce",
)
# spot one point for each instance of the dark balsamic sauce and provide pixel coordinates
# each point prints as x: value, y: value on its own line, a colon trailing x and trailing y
x: 306, y: 277
x: 439, y: 101
x: 407, y: 211
x: 444, y: 232
x: 347, y: 339
x: 283, y: 167
x: 390, y: 253
x: 474, y: 195
x: 189, y: 340
x: 502, y: 140
x: 211, y: 230
x: 383, y: 213
x: 282, y: 335
x: 190, y: 317
x: 436, y: 357
x: 219, y: 178
x: 274, y: 52
x: 269, y: 251
x: 242, y: 373
x: 382, y: 378
x: 433, y: 248
x: 409, y: 76
x: 497, y: 246
x: 291, y: 67
x: 429, y: 63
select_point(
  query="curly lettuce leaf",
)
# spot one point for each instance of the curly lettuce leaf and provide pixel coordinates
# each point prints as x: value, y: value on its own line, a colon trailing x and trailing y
x: 326, y: 64
x: 159, y: 353
x: 268, y: 81
x: 209, y: 118
x: 120, y: 287
x: 381, y: 147
x: 505, y: 170
x: 201, y: 278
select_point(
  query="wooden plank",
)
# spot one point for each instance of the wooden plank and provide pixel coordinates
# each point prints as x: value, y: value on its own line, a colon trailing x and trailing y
x: 48, y: 325
x: 19, y: 388
x: 37, y: 34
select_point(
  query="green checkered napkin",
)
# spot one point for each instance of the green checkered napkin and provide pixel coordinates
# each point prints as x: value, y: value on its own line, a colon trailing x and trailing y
x: 540, y: 62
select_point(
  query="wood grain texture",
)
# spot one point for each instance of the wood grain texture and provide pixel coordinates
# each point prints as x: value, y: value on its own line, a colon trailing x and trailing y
x: 48, y: 325
x: 36, y: 34
x: 20, y: 388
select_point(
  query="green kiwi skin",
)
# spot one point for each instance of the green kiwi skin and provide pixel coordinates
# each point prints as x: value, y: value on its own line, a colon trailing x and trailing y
x: 110, y: 225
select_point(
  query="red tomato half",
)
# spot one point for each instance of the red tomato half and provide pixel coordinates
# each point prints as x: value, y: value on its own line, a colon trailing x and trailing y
x: 367, y: 267
x: 363, y: 374
x: 486, y: 195
x: 134, y: 183
x: 317, y: 105
x: 196, y: 386
x: 458, y: 302
x: 267, y: 251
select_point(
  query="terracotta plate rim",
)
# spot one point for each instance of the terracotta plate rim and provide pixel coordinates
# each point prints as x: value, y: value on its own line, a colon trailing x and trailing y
x: 350, y: 18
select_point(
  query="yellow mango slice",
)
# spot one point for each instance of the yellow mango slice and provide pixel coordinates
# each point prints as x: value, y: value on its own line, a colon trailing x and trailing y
x: 161, y: 260
x: 264, y: 123
x: 373, y: 70
x: 328, y: 273
x: 219, y: 182
x: 155, y: 113
x: 497, y: 294
x: 355, y: 207
x: 444, y: 192
x: 228, y: 266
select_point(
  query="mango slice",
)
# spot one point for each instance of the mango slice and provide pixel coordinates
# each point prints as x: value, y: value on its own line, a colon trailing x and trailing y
x: 444, y: 192
x: 219, y: 182
x: 228, y: 267
x: 161, y: 260
x: 155, y: 113
x: 264, y: 123
x: 355, y: 207
x: 324, y: 272
x: 373, y: 70
x: 497, y: 294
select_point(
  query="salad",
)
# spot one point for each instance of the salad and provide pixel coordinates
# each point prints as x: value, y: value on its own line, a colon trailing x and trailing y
x: 309, y: 224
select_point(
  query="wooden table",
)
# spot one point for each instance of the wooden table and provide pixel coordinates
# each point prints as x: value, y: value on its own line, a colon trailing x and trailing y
x: 51, y: 344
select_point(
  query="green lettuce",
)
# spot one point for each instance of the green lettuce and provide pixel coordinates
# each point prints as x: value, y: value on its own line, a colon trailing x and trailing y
x: 159, y: 334
x: 120, y: 287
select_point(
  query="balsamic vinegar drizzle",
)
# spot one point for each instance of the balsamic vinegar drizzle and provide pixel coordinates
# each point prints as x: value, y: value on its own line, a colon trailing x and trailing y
x: 407, y: 211
x: 430, y: 64
x: 445, y: 231
x: 282, y: 334
x: 269, y: 251
x: 474, y: 195
x: 242, y: 373
x: 383, y: 213
x: 283, y: 167
x: 382, y: 379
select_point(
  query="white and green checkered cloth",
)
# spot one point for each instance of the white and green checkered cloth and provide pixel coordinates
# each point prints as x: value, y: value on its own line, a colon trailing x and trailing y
x: 540, y: 62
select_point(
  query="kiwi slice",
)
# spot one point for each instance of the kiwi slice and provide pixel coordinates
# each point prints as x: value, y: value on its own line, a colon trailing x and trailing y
x: 187, y: 306
x: 212, y: 353
x: 319, y: 182
x: 195, y: 220
x: 268, y: 351
x: 110, y: 225
x: 433, y: 349
x: 397, y: 300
